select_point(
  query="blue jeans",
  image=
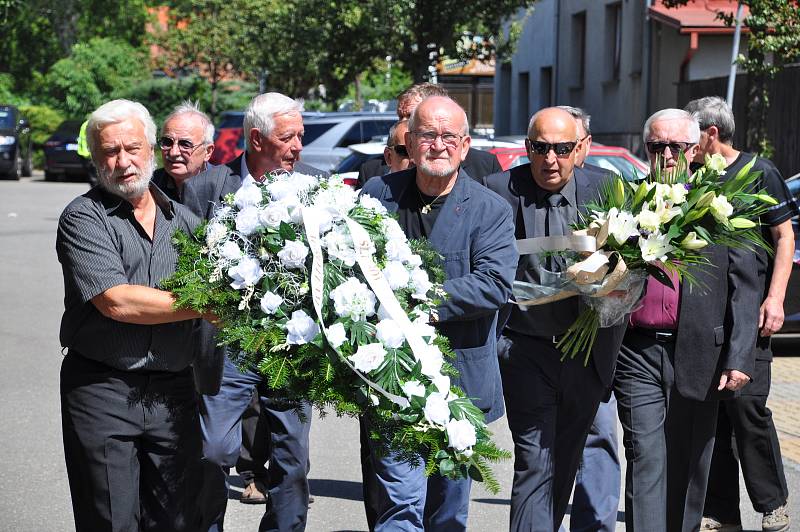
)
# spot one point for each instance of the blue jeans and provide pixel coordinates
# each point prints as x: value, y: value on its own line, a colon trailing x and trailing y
x: 221, y: 422
x: 410, y: 501
x: 596, y: 498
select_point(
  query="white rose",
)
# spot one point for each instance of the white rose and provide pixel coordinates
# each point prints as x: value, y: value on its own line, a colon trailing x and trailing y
x: 368, y: 202
x: 339, y: 247
x: 389, y: 333
x: 336, y: 334
x: 721, y: 209
x: 442, y: 383
x: 655, y: 247
x: 648, y: 219
x: 280, y: 189
x: 273, y: 214
x: 215, y: 232
x: 460, y: 434
x: 432, y: 361
x: 270, y: 302
x: 293, y: 255
x: 247, y: 221
x: 413, y: 388
x: 398, y: 250
x: 353, y: 299
x: 419, y: 278
x: 293, y: 207
x: 303, y: 182
x: 246, y: 273
x: 368, y: 357
x: 230, y: 250
x: 392, y: 230
x: 396, y: 275
x: 621, y: 225
x: 414, y: 260
x: 300, y: 329
x: 437, y: 411
x: 248, y: 195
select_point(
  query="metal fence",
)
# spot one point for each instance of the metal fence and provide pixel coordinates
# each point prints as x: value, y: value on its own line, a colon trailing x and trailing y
x: 783, y: 124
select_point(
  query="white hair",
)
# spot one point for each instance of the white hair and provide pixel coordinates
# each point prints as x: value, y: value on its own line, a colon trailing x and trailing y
x: 114, y: 112
x: 674, y: 114
x: 262, y: 110
x: 412, y: 120
x: 188, y: 107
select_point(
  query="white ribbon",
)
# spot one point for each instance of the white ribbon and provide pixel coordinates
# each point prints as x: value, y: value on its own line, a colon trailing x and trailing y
x: 372, y: 274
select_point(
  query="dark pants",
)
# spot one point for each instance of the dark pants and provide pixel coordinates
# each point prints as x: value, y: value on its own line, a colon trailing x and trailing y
x: 256, y: 442
x: 550, y: 407
x: 370, y: 489
x: 221, y: 421
x: 668, y: 439
x: 747, y: 421
x: 133, y: 446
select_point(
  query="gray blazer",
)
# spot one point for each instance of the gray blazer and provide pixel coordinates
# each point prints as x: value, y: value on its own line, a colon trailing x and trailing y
x: 518, y: 188
x: 475, y: 235
x: 202, y: 194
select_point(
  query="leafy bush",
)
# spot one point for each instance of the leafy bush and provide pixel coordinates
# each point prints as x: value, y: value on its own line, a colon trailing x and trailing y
x: 44, y: 121
x: 7, y: 95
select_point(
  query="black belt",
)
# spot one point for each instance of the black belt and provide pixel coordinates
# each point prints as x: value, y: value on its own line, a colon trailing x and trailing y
x: 660, y: 335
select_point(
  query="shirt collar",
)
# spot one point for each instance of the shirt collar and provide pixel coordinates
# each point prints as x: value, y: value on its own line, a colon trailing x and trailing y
x: 114, y: 203
x: 568, y: 191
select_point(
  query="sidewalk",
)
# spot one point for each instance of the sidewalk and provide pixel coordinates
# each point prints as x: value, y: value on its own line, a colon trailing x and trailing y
x: 784, y: 401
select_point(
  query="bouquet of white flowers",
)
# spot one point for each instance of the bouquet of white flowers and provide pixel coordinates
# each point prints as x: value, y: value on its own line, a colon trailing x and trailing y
x: 321, y: 292
x: 652, y: 227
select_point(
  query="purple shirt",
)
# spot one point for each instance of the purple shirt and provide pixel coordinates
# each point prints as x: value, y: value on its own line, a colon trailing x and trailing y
x: 659, y: 308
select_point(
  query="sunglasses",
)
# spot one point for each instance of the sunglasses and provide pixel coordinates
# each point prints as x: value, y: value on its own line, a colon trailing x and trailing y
x: 400, y: 149
x: 561, y: 149
x: 674, y: 147
x: 184, y: 145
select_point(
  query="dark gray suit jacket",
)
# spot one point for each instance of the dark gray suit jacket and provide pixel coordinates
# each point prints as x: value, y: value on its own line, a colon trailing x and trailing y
x: 202, y: 194
x: 474, y: 233
x: 518, y: 188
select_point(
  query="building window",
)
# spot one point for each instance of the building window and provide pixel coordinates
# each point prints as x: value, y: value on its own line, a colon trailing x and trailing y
x: 578, y: 55
x: 523, y: 96
x: 613, y: 40
x: 545, y: 87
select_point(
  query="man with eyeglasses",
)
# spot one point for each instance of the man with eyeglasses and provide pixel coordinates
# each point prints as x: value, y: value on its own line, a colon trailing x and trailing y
x: 550, y: 403
x: 186, y: 142
x: 747, y: 416
x: 686, y: 347
x: 273, y: 129
x: 472, y: 229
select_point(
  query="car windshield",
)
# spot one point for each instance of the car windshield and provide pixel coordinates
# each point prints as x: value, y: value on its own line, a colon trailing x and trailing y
x: 6, y: 119
x: 313, y: 131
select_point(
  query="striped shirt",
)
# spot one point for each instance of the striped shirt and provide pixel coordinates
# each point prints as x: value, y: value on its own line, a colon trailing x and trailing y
x: 100, y: 244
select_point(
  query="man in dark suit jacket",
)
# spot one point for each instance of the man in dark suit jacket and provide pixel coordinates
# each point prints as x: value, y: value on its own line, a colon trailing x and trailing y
x: 273, y: 127
x: 686, y: 347
x: 550, y: 404
x: 472, y: 229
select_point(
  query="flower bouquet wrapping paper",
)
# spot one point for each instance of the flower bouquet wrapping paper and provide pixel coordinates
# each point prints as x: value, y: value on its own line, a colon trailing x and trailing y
x: 320, y: 291
x: 653, y: 227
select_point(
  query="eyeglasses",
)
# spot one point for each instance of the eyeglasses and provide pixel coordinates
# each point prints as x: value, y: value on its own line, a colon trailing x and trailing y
x: 561, y: 149
x: 451, y: 140
x: 674, y: 147
x: 184, y: 145
x: 400, y: 149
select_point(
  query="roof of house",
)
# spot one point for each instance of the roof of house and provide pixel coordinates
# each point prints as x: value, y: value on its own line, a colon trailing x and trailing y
x: 697, y: 16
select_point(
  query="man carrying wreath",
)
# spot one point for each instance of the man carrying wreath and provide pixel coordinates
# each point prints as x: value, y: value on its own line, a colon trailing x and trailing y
x: 473, y: 230
x: 550, y: 402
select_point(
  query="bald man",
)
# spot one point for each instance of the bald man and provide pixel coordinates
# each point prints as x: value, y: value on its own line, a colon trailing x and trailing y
x: 472, y: 228
x: 550, y: 403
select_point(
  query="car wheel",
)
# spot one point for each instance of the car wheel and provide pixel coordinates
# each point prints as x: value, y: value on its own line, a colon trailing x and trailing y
x: 16, y: 170
x: 27, y: 168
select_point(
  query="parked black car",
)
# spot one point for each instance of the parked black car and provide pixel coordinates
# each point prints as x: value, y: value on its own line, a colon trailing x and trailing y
x: 15, y: 144
x: 61, y: 157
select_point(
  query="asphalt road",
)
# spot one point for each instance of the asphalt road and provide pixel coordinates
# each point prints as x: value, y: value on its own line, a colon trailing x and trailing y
x: 34, y: 495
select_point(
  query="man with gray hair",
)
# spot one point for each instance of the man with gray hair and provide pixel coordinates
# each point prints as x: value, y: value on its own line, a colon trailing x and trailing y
x: 686, y: 347
x: 747, y: 416
x: 273, y: 129
x: 130, y: 423
x: 187, y: 142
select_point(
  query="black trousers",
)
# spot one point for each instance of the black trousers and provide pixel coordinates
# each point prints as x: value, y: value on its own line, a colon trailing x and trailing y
x: 132, y: 445
x: 745, y: 429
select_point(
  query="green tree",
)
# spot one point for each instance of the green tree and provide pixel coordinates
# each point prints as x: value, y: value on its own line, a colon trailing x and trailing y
x: 93, y: 71
x: 774, y: 40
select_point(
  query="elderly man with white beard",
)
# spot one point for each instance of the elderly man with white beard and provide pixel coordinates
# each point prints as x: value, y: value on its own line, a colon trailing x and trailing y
x: 130, y: 422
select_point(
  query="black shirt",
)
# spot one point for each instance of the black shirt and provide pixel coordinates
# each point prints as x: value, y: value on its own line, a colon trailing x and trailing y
x: 100, y: 244
x: 417, y: 212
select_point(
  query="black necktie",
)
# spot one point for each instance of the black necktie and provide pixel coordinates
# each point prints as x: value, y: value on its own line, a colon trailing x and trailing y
x: 556, y: 225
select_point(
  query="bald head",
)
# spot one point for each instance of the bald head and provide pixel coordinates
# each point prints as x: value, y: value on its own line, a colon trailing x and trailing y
x: 438, y: 137
x: 442, y: 106
x: 552, y: 144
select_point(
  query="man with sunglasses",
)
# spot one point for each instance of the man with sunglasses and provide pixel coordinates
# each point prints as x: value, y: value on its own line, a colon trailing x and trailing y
x: 186, y: 142
x: 472, y: 229
x: 686, y: 347
x: 550, y: 403
x: 747, y: 416
x: 395, y: 155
